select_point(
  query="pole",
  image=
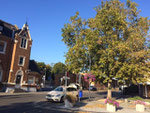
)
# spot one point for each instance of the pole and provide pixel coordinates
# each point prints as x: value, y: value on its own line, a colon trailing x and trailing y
x: 146, y: 91
x: 90, y: 72
x: 44, y: 76
x: 89, y: 91
x: 65, y: 83
x: 79, y: 86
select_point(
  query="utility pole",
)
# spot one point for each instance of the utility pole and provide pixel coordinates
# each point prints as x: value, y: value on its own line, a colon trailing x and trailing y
x: 44, y: 77
x: 65, y: 83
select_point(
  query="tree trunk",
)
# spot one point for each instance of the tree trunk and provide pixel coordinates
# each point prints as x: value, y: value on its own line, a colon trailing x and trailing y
x: 109, y: 93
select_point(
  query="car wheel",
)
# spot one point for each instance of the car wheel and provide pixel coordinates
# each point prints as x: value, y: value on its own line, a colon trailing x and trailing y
x: 62, y: 99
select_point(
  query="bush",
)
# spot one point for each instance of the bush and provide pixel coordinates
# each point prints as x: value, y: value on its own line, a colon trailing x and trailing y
x: 112, y: 102
x: 72, y: 99
x: 140, y: 102
x: 135, y: 98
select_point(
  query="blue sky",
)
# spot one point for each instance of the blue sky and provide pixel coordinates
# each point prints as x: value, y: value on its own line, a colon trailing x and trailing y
x: 46, y: 18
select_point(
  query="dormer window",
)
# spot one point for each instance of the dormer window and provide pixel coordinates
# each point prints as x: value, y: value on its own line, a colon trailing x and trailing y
x: 1, y: 28
x: 2, y: 47
x: 23, y: 43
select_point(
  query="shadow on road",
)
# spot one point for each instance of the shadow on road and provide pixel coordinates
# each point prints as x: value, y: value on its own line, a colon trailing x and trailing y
x: 15, y: 96
x: 30, y: 107
x: 116, y: 95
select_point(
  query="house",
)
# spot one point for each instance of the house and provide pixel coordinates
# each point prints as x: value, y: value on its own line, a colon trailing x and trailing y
x: 144, y: 89
x: 59, y: 79
x: 15, y: 48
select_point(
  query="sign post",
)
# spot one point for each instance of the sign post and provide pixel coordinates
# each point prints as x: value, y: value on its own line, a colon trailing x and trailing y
x: 80, y: 90
x: 66, y: 77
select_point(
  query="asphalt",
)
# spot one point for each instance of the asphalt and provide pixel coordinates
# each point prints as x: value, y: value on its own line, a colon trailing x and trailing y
x: 90, y: 106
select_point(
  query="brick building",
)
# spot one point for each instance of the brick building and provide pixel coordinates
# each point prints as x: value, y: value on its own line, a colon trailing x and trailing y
x: 15, y: 48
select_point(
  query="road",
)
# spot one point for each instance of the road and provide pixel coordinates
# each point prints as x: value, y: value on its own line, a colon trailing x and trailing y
x: 36, y: 103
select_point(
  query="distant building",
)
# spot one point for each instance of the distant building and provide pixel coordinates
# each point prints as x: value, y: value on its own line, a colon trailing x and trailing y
x: 16, y: 71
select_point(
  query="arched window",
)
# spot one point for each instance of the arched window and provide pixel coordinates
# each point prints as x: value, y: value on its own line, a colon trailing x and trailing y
x: 1, y: 73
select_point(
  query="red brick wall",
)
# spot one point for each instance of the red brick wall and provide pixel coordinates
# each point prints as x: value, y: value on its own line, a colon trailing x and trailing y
x: 5, y: 59
x: 21, y: 52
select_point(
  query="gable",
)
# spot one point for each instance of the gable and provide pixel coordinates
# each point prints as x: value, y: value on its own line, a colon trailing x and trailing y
x: 25, y: 33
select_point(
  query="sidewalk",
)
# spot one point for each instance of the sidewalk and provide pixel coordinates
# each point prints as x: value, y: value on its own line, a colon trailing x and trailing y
x: 99, y: 107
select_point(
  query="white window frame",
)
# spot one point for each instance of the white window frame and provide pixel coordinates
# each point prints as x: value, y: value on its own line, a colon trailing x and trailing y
x: 23, y: 61
x: 4, y: 49
x: 23, y: 38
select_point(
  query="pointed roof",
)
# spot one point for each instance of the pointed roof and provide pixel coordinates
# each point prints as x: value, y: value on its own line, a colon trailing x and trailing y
x: 10, y: 30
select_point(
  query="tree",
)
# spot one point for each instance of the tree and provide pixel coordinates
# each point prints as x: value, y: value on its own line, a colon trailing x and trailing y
x: 41, y: 65
x: 45, y: 69
x: 114, y: 43
x: 59, y: 68
x: 73, y: 37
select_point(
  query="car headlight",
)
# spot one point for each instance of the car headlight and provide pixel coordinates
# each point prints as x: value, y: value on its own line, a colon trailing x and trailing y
x: 58, y: 95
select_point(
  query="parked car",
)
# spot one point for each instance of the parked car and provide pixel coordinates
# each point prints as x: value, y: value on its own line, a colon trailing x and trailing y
x: 58, y: 93
x: 92, y: 88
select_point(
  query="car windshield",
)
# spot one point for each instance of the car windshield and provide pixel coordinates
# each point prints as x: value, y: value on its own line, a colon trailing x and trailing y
x: 58, y: 89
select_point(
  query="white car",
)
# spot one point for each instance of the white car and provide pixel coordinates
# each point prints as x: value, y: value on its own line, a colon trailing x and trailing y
x: 58, y: 93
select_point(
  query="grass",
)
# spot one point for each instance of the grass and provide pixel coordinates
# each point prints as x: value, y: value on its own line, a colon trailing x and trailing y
x: 138, y: 98
x: 135, y: 98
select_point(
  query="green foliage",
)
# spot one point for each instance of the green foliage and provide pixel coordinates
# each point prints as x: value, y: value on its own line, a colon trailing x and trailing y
x: 45, y: 69
x: 59, y: 68
x: 114, y: 43
x: 71, y: 98
x: 135, y: 98
x: 41, y: 65
x: 74, y: 37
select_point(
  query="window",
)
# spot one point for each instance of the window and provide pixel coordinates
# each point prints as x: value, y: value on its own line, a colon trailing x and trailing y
x: 30, y: 80
x: 36, y: 80
x: 2, y: 47
x: 23, y: 43
x: 1, y: 28
x: 25, y: 35
x: 21, y: 61
x: 59, y: 89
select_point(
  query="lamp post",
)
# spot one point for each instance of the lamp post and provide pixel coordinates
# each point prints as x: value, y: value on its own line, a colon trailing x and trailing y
x: 44, y: 77
x: 66, y: 77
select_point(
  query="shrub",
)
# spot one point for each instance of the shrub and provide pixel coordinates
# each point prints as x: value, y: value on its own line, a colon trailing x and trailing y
x: 140, y: 102
x: 113, y: 102
x: 72, y: 99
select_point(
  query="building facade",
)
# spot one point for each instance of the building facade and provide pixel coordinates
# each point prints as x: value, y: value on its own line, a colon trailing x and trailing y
x: 15, y: 48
